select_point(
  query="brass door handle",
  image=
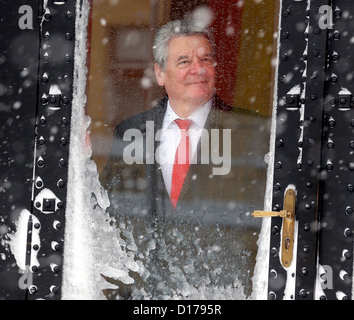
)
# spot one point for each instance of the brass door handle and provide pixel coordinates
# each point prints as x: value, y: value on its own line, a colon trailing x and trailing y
x: 263, y: 214
x: 288, y: 215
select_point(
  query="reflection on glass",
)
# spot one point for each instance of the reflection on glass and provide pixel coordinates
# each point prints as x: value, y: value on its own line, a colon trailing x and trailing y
x: 205, y: 245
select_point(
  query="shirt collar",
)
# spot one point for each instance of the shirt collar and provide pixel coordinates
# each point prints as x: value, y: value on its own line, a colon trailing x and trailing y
x: 198, y: 117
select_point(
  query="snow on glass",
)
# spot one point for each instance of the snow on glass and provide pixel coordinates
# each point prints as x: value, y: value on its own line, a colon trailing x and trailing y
x: 104, y: 252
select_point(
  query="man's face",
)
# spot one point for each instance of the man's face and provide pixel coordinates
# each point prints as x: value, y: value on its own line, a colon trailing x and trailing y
x: 189, y: 75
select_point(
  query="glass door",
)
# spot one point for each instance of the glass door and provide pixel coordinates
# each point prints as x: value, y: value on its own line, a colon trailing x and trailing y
x: 205, y: 247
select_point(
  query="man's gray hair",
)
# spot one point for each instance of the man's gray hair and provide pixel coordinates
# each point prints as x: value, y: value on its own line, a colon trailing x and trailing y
x: 172, y: 29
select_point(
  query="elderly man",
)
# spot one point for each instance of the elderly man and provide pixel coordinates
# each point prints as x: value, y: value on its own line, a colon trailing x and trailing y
x: 184, y: 65
x: 182, y: 150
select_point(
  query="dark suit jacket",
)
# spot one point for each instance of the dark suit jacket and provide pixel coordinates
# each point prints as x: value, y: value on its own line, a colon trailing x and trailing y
x: 207, y: 202
x: 200, y: 187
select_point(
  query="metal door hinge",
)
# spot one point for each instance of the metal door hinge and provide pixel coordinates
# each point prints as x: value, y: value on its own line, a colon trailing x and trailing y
x: 288, y: 228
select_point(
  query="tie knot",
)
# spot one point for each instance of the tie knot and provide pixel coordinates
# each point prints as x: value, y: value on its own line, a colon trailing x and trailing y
x: 183, y: 123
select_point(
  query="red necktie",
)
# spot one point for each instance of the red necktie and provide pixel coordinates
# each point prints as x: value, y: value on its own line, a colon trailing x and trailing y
x: 181, y: 164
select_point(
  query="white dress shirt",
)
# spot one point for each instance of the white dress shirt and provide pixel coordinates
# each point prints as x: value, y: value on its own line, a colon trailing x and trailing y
x: 171, y: 135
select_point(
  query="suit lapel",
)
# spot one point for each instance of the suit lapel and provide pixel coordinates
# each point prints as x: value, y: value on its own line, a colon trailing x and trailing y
x: 162, y: 196
x: 212, y: 122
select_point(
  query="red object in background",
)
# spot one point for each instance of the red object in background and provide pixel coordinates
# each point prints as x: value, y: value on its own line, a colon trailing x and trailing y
x: 227, y: 31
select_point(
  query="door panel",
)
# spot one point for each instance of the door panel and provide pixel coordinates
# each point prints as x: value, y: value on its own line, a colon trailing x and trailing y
x: 36, y: 57
x: 19, y: 49
x: 313, y: 151
x: 336, y: 220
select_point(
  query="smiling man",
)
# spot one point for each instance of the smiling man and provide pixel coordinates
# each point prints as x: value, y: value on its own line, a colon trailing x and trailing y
x: 179, y: 193
x: 187, y: 115
x: 188, y: 74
